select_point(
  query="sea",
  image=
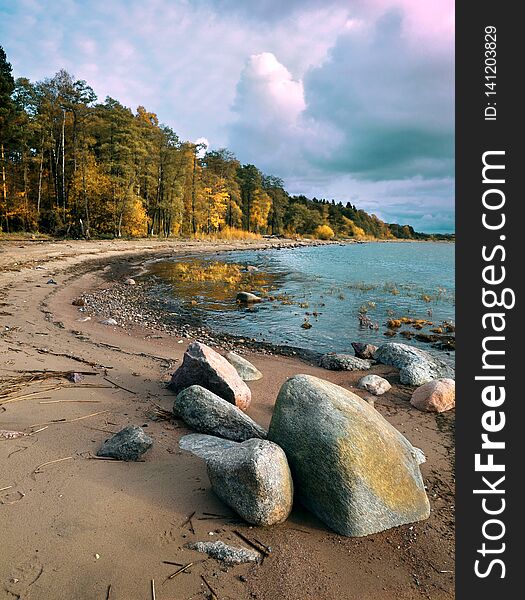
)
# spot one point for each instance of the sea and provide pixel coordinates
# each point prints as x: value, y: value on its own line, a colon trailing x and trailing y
x: 320, y: 298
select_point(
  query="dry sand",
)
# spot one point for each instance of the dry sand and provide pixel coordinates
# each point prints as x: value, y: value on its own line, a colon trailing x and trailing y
x: 80, y: 525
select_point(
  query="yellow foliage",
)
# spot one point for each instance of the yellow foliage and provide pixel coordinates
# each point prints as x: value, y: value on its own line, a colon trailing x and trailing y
x: 260, y: 209
x: 229, y: 233
x: 134, y: 218
x: 324, y: 232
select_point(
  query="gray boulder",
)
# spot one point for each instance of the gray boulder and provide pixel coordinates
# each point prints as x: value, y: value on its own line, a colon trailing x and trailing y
x: 205, y: 446
x: 205, y: 367
x: 351, y: 468
x: 128, y: 444
x: 245, y: 369
x: 374, y: 384
x: 206, y: 412
x: 343, y: 362
x: 416, y: 366
x: 231, y: 555
x: 252, y: 477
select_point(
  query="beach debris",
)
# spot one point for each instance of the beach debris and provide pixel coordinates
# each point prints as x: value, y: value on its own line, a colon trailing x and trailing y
x: 364, y: 350
x: 205, y: 367
x: 10, y: 435
x: 206, y: 412
x: 128, y: 444
x: 183, y: 569
x: 306, y: 324
x: 52, y: 282
x: 252, y: 477
x: 435, y: 396
x: 109, y: 321
x: 231, y: 555
x: 374, y: 384
x: 343, y: 362
x: 50, y: 462
x: 79, y: 301
x: 246, y: 370
x: 153, y: 594
x: 83, y: 319
x: 130, y: 281
x: 247, y: 298
x: 416, y: 366
x: 366, y: 479
x: 255, y: 544
x: 213, y: 593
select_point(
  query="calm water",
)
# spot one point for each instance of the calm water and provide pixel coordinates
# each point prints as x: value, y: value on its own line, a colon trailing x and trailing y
x: 324, y: 286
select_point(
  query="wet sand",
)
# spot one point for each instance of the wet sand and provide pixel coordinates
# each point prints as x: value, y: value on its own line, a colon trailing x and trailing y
x: 80, y: 524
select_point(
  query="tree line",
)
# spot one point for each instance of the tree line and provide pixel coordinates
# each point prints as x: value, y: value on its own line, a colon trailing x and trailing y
x: 72, y: 166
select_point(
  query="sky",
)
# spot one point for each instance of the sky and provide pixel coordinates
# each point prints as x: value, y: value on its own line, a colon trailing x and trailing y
x: 345, y: 99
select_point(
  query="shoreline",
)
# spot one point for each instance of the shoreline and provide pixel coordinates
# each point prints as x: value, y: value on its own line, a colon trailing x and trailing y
x: 85, y: 506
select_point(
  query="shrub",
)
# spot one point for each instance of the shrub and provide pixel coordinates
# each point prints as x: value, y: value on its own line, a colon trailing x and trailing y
x: 324, y: 232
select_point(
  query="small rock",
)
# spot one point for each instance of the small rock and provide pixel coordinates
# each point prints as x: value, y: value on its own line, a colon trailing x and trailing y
x: 364, y: 350
x: 419, y: 455
x: 128, y: 444
x: 435, y: 396
x: 109, y: 322
x: 246, y: 370
x: 206, y: 412
x: 205, y: 367
x: 374, y: 384
x: 231, y: 555
x: 79, y: 302
x: 130, y: 281
x: 52, y: 282
x: 343, y: 362
x: 75, y: 377
x: 247, y: 298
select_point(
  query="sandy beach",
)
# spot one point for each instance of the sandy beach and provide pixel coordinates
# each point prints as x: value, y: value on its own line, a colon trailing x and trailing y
x: 71, y: 525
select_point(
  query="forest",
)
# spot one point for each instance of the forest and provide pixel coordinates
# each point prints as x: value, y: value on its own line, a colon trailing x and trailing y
x: 75, y: 167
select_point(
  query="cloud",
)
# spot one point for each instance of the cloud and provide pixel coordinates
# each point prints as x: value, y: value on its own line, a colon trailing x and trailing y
x: 325, y: 93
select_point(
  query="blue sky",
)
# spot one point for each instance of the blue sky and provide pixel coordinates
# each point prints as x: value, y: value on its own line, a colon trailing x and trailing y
x: 344, y: 99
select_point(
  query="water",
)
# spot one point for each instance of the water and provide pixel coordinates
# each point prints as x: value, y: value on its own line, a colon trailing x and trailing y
x: 325, y: 287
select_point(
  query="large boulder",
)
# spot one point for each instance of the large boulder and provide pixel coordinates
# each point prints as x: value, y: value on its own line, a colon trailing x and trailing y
x: 245, y: 369
x: 206, y: 412
x: 435, y: 396
x: 416, y: 366
x: 128, y: 444
x: 252, y: 477
x: 205, y: 446
x: 205, y: 367
x: 343, y: 362
x: 374, y: 384
x: 350, y: 466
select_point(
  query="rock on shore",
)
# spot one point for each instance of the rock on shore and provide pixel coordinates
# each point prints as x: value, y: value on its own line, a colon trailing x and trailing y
x: 435, y: 396
x: 128, y: 444
x: 245, y: 369
x: 350, y: 466
x: 343, y: 362
x: 416, y: 366
x: 206, y: 412
x: 374, y: 384
x: 205, y: 367
x: 252, y: 477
